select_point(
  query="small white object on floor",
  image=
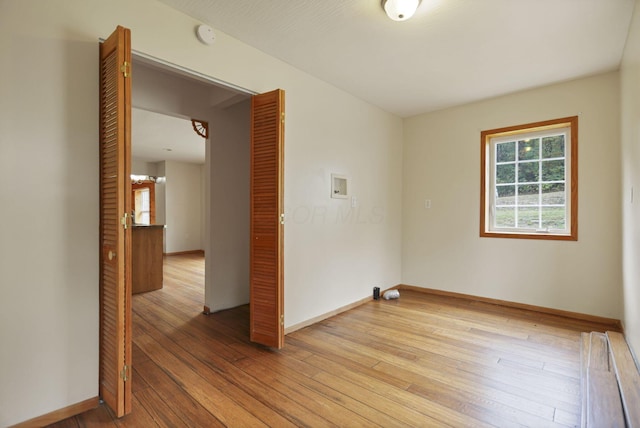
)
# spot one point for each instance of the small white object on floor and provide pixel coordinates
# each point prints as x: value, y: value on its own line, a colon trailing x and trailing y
x: 391, y: 294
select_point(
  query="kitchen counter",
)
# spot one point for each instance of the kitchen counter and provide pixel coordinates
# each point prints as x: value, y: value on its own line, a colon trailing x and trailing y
x: 146, y: 257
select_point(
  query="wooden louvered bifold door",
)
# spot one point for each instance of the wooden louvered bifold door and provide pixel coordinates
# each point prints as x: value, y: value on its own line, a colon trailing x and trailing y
x: 266, y: 276
x: 115, y: 235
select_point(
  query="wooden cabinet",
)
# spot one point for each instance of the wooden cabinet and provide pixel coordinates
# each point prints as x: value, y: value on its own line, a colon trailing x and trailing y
x: 146, y: 258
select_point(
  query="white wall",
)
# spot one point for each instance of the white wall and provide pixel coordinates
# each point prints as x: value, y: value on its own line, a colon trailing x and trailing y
x: 49, y: 133
x: 162, y: 91
x: 49, y: 221
x: 183, y: 207
x: 141, y: 167
x: 441, y: 246
x: 335, y: 254
x: 227, y: 269
x: 630, y: 94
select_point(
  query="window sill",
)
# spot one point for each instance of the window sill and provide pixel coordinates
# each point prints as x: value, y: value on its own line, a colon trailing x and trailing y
x: 521, y: 235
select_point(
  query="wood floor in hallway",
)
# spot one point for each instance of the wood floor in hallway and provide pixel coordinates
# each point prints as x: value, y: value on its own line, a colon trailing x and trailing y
x: 419, y: 361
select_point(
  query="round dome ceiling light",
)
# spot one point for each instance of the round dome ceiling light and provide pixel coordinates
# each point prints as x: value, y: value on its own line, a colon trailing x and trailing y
x: 400, y: 10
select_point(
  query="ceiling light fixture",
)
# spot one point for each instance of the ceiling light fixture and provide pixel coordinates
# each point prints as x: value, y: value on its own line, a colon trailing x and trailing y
x: 400, y: 10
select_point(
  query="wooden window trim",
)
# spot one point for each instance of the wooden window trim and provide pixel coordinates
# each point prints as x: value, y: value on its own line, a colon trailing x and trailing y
x: 485, y: 137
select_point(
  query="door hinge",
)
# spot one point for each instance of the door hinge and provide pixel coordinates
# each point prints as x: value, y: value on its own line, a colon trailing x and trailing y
x: 281, y: 319
x: 124, y: 373
x: 123, y: 220
x: 282, y: 117
x: 126, y: 69
x: 282, y: 218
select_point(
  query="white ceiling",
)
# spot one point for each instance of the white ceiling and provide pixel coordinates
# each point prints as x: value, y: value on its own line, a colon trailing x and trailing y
x: 451, y: 52
x: 157, y: 137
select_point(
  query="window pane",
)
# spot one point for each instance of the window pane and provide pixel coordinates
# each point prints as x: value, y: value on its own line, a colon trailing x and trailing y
x: 553, y: 194
x: 505, y: 217
x: 529, y: 149
x: 528, y: 172
x: 506, y: 195
x: 553, y: 170
x: 553, y: 147
x: 506, y: 152
x: 528, y: 194
x: 553, y: 217
x: 528, y: 217
x: 506, y: 173
x: 145, y: 199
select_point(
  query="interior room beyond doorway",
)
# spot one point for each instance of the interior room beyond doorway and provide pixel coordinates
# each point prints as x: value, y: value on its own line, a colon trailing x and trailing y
x: 201, y: 185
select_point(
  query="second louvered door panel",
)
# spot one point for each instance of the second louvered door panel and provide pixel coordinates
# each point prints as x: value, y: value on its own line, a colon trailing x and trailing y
x: 266, y: 276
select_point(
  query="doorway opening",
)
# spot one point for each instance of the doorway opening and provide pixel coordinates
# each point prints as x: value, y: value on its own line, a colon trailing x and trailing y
x: 198, y: 181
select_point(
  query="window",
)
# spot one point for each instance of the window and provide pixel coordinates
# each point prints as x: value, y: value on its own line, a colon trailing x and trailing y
x: 143, y: 201
x: 529, y: 181
x: 142, y: 206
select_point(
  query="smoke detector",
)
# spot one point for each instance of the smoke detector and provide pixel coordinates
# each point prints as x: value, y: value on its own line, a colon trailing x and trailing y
x: 205, y: 34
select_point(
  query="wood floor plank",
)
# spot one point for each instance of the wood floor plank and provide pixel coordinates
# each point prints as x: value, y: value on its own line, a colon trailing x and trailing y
x: 453, y: 353
x: 265, y: 393
x: 421, y: 360
x: 404, y: 415
x: 628, y: 377
x: 181, y: 402
x: 222, y: 396
x: 139, y: 417
x: 160, y: 411
x: 446, y: 384
x: 543, y: 398
x: 598, y: 352
x: 604, y: 406
x: 405, y: 398
x: 372, y: 414
x: 70, y: 423
x: 566, y: 419
x: 194, y: 323
x: 100, y: 417
x: 225, y: 376
x: 306, y: 396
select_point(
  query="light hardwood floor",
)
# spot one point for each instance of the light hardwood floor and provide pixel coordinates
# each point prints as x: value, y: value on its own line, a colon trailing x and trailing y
x: 420, y: 361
